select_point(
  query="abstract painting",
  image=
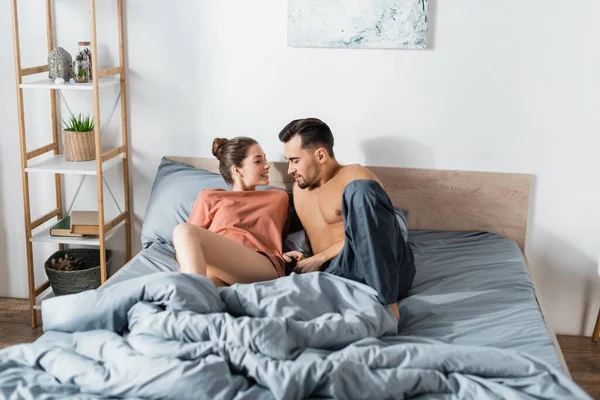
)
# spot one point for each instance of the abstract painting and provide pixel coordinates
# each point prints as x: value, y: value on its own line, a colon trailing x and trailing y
x: 379, y: 24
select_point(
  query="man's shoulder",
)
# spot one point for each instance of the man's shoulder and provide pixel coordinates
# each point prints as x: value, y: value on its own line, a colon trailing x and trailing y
x: 355, y: 168
x: 352, y: 172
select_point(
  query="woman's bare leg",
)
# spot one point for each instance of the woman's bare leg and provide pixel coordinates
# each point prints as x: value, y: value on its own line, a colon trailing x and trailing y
x: 203, y: 252
x: 216, y: 281
x: 188, y: 252
x: 394, y: 308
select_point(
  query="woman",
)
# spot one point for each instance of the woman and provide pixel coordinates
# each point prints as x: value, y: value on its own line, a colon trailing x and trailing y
x: 236, y: 236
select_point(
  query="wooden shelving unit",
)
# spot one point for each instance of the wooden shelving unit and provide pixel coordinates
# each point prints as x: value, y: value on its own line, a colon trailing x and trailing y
x: 57, y: 165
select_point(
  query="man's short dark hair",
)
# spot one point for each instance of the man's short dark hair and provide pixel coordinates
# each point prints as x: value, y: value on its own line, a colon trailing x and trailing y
x: 314, y: 133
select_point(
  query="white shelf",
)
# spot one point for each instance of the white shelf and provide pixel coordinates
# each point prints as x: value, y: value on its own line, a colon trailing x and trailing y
x: 58, y: 165
x: 44, y: 237
x: 49, y: 84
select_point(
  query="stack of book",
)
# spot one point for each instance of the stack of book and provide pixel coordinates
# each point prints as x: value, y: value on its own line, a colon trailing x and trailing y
x: 78, y: 224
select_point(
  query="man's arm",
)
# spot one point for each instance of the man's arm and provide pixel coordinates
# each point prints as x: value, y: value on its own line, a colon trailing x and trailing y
x: 332, y: 251
x: 316, y: 262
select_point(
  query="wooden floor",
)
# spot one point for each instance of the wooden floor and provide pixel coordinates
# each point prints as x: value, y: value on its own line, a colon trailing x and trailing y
x: 15, y: 324
x: 582, y: 355
x: 583, y: 359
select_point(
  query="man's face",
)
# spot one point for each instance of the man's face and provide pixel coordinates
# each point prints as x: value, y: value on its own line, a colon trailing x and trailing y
x: 302, y: 163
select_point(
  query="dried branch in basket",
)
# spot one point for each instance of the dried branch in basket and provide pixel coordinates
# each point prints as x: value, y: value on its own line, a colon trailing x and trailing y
x: 67, y: 264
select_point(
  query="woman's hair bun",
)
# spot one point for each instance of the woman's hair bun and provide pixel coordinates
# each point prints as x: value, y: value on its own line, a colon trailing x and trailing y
x: 218, y: 147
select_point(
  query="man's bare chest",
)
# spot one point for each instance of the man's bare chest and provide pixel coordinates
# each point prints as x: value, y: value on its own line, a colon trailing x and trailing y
x: 323, y: 204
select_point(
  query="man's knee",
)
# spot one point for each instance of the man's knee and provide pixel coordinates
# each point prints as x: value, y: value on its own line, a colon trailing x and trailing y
x: 363, y: 186
x: 362, y: 190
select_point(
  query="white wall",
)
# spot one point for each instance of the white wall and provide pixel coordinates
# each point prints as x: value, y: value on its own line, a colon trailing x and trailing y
x: 505, y: 86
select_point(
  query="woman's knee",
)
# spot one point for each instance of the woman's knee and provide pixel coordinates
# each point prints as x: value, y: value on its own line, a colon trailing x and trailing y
x: 183, y: 231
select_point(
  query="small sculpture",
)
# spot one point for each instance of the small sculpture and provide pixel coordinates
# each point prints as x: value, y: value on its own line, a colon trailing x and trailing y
x: 59, y: 64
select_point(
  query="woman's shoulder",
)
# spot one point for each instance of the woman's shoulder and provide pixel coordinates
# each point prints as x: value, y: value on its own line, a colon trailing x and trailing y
x: 271, y: 193
x: 278, y: 193
x: 270, y: 196
x: 209, y: 194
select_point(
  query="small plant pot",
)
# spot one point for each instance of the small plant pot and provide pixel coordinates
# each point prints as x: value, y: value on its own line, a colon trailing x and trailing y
x: 81, y: 70
x: 79, y: 146
x: 80, y: 79
x: 70, y: 282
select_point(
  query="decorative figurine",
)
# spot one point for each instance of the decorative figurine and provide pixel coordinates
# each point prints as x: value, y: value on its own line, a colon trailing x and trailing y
x: 59, y: 64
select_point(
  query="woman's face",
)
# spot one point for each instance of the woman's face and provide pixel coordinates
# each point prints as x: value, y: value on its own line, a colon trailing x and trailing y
x: 255, y: 169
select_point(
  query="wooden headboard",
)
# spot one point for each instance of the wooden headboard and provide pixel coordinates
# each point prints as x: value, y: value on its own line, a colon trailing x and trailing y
x: 439, y: 199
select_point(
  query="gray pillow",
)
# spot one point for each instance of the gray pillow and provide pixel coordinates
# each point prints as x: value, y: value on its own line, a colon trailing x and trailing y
x: 297, y: 241
x: 172, y: 198
x: 174, y: 192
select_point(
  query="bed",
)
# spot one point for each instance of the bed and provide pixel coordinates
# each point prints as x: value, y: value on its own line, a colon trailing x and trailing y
x: 473, y: 318
x: 459, y: 207
x: 470, y: 288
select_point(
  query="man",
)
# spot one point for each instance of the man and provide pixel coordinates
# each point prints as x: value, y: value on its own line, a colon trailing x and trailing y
x: 348, y: 217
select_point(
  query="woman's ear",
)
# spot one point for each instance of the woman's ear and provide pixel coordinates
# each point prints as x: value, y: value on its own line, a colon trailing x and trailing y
x: 236, y: 171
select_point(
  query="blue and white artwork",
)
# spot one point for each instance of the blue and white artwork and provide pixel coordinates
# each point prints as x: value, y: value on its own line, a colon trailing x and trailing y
x: 379, y: 24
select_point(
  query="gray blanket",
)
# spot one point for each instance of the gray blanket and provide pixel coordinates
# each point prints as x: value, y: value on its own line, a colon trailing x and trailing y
x: 170, y: 335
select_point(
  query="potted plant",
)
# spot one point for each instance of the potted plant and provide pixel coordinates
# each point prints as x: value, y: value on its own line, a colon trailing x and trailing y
x: 78, y: 138
x: 81, y: 73
x: 81, y: 69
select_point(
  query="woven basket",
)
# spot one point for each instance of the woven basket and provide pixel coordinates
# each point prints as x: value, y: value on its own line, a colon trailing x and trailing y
x: 79, y: 146
x: 69, y: 282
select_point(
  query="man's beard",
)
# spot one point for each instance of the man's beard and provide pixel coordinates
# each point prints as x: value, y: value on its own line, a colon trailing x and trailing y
x: 310, y: 179
x: 303, y: 184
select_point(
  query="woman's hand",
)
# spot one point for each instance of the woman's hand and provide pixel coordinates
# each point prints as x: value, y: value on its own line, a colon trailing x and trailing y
x: 293, y: 256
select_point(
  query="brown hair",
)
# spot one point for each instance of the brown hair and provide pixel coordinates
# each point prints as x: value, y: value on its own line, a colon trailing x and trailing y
x: 231, y: 152
x: 314, y: 133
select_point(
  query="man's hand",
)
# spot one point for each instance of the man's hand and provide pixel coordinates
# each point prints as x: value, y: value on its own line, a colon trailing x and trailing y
x: 310, y: 264
x: 292, y: 256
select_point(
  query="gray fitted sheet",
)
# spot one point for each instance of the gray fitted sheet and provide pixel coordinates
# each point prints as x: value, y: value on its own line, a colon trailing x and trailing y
x: 156, y: 258
x: 474, y: 288
x: 470, y: 288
